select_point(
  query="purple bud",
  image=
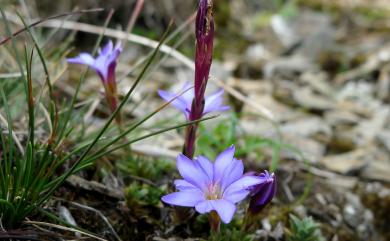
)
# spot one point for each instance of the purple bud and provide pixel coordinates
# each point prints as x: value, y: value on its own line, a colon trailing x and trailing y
x: 204, y: 53
x: 262, y: 193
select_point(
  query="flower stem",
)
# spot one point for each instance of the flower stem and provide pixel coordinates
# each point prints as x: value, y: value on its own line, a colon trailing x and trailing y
x: 112, y: 100
x: 215, y: 222
x: 189, y: 145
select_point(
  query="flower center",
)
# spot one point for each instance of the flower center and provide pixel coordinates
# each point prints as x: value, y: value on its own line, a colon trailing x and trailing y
x: 213, y: 192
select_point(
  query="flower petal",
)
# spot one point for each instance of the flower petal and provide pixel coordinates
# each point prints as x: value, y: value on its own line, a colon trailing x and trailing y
x: 183, y: 185
x: 192, y: 172
x: 101, y: 66
x: 263, y: 193
x: 184, y: 198
x: 224, y: 208
x: 107, y: 49
x: 223, y: 160
x: 213, y: 103
x: 179, y: 102
x: 238, y: 190
x: 204, y: 207
x: 236, y: 196
x: 83, y: 58
x: 188, y: 95
x: 232, y: 173
x: 115, y: 53
x: 206, y: 166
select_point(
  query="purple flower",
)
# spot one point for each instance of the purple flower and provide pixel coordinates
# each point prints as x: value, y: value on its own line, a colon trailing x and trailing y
x: 210, y: 186
x: 262, y: 193
x: 104, y: 64
x: 213, y: 103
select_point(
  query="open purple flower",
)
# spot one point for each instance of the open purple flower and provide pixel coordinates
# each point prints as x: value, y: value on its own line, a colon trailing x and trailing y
x: 263, y: 192
x: 211, y: 186
x: 104, y: 64
x: 213, y: 103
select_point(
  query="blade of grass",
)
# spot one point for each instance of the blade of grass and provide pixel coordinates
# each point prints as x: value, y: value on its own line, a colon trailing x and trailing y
x: 48, y: 80
x: 8, y: 163
x: 30, y: 98
x: 12, y: 35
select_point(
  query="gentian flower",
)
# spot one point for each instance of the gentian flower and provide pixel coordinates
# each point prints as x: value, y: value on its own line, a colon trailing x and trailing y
x: 210, y: 186
x: 263, y: 192
x: 213, y: 103
x: 104, y: 65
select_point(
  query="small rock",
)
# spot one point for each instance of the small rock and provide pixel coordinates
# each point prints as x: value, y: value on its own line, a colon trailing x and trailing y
x: 341, y: 118
x: 283, y: 29
x: 309, y: 127
x: 313, y: 151
x: 318, y: 81
x: 368, y: 130
x: 306, y: 98
x: 347, y: 162
x: 256, y: 55
x: 287, y: 66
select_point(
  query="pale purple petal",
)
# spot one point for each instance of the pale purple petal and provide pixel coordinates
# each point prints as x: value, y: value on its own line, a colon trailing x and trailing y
x: 188, y: 95
x: 83, y: 58
x: 101, y: 66
x: 182, y: 102
x: 238, y: 190
x: 213, y: 103
x: 204, y: 207
x: 232, y: 173
x: 184, y: 198
x: 107, y: 49
x: 236, y: 196
x: 115, y: 53
x: 179, y: 103
x: 224, y: 208
x: 206, y: 166
x: 192, y: 173
x: 183, y: 185
x: 223, y: 161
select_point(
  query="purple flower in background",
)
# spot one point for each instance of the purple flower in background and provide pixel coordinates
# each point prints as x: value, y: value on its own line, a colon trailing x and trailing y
x: 263, y: 192
x: 104, y: 64
x: 213, y: 103
x: 211, y: 186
